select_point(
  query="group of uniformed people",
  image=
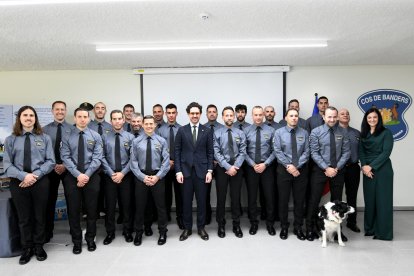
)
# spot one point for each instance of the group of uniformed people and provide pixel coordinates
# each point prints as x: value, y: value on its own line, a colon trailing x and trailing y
x: 138, y: 161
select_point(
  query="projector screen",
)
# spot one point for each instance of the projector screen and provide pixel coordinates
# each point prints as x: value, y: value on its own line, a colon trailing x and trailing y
x: 221, y: 89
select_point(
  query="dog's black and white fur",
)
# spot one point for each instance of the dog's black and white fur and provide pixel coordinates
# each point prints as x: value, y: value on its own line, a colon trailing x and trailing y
x: 331, y: 216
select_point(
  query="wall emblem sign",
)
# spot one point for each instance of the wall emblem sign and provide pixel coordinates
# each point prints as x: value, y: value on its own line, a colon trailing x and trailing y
x: 392, y: 104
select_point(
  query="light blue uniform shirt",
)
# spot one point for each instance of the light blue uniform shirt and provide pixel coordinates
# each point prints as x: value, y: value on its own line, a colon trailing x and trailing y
x: 42, y: 161
x: 222, y: 151
x: 282, y: 146
x: 266, y: 141
x: 320, y: 146
x: 159, y: 152
x: 94, y: 125
x: 93, y: 151
x: 108, y: 162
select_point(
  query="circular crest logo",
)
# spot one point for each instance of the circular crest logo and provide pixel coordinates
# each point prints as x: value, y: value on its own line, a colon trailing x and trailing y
x: 392, y: 105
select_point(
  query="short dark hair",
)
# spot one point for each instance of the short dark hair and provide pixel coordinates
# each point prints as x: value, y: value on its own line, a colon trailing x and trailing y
x: 128, y: 105
x: 116, y: 111
x: 332, y: 108
x: 211, y: 106
x: 170, y: 106
x: 227, y: 108
x: 58, y: 102
x: 194, y: 104
x: 148, y: 117
x: 365, y: 128
x: 80, y: 109
x: 322, y: 98
x: 157, y: 105
x: 241, y: 107
x: 18, y: 127
x: 291, y: 109
x: 293, y: 101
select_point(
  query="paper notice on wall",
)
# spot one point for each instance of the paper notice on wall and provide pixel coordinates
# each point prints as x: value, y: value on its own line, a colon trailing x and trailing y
x: 6, y: 122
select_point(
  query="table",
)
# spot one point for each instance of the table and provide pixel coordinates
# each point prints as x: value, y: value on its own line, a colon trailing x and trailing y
x: 9, y: 228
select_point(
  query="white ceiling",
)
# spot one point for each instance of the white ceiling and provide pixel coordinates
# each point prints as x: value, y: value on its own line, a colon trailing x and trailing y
x: 63, y: 36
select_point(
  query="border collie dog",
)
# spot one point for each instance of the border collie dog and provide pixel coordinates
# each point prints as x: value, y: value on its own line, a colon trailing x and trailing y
x: 331, y: 216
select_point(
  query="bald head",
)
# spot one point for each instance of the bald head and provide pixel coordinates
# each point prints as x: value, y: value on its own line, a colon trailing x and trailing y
x: 343, y: 117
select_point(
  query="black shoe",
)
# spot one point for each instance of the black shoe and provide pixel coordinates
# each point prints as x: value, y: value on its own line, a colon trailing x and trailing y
x: 203, y: 234
x: 109, y: 238
x: 186, y: 233
x: 138, y: 239
x: 162, y: 239
x: 253, y: 229
x: 40, y: 253
x: 344, y: 239
x: 221, y: 231
x: 271, y: 230
x: 91, y: 246
x: 353, y: 227
x: 310, y: 235
x: 128, y: 237
x: 237, y: 231
x: 180, y: 223
x: 77, y: 249
x: 148, y: 231
x: 299, y: 234
x: 284, y: 233
x: 26, y: 256
x: 120, y: 219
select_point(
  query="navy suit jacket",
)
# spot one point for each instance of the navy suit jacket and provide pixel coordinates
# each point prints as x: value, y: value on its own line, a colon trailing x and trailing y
x: 187, y: 155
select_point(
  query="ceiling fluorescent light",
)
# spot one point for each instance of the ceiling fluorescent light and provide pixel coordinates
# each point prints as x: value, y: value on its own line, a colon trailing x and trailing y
x: 45, y: 2
x: 211, y: 45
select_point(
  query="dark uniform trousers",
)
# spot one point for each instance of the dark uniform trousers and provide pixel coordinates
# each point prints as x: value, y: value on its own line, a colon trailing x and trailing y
x: 54, y: 180
x: 170, y: 183
x: 31, y: 205
x: 352, y: 177
x: 86, y: 195
x: 222, y: 181
x: 194, y: 184
x: 266, y: 179
x: 318, y: 180
x: 287, y: 183
x: 111, y: 196
x: 142, y: 195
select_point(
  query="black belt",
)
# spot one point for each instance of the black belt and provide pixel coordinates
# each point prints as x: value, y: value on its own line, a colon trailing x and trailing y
x: 149, y: 172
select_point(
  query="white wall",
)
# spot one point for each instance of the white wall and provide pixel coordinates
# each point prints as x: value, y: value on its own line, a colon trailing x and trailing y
x: 114, y: 88
x: 343, y: 85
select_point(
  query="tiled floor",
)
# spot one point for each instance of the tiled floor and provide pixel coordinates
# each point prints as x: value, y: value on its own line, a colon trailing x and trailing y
x: 252, y: 255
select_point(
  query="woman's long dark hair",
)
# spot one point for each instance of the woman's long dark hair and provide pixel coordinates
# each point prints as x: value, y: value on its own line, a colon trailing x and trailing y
x: 18, y: 128
x: 365, y: 128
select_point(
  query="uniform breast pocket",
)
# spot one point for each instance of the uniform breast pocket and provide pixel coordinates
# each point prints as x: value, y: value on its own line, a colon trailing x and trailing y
x: 41, y: 148
x: 91, y: 146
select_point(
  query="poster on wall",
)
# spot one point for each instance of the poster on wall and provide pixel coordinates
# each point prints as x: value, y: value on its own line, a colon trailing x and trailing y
x: 6, y: 124
x: 392, y: 105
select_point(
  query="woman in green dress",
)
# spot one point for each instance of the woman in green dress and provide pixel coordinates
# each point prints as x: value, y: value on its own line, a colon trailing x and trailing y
x: 374, y: 152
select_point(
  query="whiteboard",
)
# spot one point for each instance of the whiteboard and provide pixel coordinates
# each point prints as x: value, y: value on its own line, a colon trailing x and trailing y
x: 221, y: 89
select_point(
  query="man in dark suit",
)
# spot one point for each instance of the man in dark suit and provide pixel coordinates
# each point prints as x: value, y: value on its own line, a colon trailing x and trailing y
x: 193, y: 163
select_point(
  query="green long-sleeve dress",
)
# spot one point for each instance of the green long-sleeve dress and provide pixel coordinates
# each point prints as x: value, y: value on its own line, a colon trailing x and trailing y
x: 375, y: 151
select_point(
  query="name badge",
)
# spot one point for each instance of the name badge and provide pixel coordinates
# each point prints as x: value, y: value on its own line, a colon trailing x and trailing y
x: 157, y: 146
x: 300, y: 138
x: 126, y: 145
x: 237, y: 140
x: 266, y: 136
x: 90, y: 142
x: 338, y: 137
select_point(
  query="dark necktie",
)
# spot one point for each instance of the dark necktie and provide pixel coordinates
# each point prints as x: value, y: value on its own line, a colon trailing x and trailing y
x: 129, y: 127
x: 212, y: 127
x: 118, y: 166
x: 269, y: 124
x: 230, y: 145
x: 148, y: 156
x: 27, y: 160
x: 332, y: 148
x: 136, y: 134
x: 241, y: 127
x: 295, y: 158
x: 194, y: 134
x: 258, y: 153
x: 57, y: 143
x: 100, y: 128
x: 81, y: 153
x: 172, y: 142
